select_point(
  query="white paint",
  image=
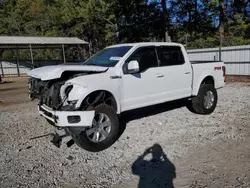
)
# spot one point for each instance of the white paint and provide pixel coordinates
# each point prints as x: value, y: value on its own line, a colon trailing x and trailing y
x: 115, y: 58
x: 131, y: 91
x: 133, y: 66
x: 86, y: 117
x: 201, y: 71
x: 55, y: 71
x: 84, y: 85
x: 155, y: 85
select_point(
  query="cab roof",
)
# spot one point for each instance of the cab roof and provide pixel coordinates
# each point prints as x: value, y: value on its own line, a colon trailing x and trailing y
x: 147, y: 44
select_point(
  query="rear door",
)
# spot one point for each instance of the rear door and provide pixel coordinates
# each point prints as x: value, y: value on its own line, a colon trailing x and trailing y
x: 176, y: 73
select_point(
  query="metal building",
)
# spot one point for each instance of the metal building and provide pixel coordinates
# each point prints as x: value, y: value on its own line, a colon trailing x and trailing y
x: 20, y: 42
x: 236, y: 58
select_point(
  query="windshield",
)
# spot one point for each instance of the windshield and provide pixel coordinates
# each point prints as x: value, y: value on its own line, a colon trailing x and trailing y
x: 108, y: 57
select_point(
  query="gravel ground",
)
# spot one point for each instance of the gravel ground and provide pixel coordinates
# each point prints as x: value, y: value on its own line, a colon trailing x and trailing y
x: 201, y: 151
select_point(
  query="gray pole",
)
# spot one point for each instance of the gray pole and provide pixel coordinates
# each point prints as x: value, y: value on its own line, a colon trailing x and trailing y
x: 2, y: 68
x: 116, y: 33
x: 64, y: 61
x: 31, y: 55
x: 167, y: 37
x: 221, y: 40
x: 90, y: 50
x: 78, y: 52
x: 84, y: 52
x: 222, y: 26
x: 186, y: 41
x: 17, y: 62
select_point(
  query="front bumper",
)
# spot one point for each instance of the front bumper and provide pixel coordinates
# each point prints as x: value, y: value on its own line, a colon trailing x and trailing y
x: 67, y: 118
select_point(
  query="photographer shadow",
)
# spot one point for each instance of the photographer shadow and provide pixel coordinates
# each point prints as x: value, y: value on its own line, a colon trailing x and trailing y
x: 157, y: 172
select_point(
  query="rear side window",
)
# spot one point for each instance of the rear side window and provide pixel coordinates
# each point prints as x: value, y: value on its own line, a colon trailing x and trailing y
x: 170, y: 55
x: 146, y: 57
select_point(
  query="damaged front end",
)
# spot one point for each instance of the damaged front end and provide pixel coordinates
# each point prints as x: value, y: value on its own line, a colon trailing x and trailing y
x: 53, y: 104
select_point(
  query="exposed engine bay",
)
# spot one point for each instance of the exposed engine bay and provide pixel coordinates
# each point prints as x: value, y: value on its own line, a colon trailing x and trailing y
x: 48, y: 92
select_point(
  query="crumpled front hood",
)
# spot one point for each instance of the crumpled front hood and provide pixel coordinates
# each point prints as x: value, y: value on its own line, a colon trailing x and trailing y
x: 55, y: 71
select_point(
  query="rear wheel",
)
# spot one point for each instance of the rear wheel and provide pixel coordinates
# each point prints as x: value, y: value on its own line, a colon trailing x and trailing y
x: 104, y: 130
x: 206, y: 100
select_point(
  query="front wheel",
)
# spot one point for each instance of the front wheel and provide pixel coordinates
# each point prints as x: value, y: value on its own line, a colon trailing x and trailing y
x: 104, y: 130
x: 206, y: 100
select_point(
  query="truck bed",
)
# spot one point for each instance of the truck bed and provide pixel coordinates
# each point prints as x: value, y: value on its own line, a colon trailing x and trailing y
x: 199, y: 62
x: 212, y: 68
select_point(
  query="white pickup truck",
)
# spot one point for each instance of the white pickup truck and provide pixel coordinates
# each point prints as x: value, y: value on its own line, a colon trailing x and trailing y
x: 86, y: 99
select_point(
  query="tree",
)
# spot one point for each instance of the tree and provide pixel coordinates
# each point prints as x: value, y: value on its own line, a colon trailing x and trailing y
x: 138, y: 20
x: 105, y: 22
x: 222, y: 23
x: 165, y: 20
x: 192, y: 18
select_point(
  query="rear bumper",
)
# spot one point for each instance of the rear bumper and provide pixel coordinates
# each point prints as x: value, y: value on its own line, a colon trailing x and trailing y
x: 67, y: 118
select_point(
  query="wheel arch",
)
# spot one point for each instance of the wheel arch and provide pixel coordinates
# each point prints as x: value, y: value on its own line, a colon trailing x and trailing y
x: 108, y: 97
x: 207, y: 79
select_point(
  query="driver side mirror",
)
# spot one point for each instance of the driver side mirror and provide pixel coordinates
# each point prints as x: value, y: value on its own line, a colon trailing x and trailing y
x: 133, y: 67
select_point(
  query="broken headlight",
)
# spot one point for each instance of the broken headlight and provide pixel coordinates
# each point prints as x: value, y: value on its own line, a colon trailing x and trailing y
x: 70, y: 106
x: 67, y: 90
x: 72, y: 103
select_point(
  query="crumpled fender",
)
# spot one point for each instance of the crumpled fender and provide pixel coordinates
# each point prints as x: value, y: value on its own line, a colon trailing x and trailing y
x: 85, y: 85
x: 79, y: 92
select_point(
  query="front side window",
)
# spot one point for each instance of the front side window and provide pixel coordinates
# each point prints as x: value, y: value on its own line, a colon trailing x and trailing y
x: 170, y: 55
x: 146, y: 58
x: 108, y: 57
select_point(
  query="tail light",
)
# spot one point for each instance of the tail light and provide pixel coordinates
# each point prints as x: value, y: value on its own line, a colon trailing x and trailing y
x: 224, y: 70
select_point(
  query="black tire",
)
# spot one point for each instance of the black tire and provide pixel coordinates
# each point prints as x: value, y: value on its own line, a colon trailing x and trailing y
x: 84, y: 142
x: 197, y: 104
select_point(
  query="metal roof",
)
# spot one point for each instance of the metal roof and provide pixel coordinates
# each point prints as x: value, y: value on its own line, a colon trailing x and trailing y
x: 24, y: 42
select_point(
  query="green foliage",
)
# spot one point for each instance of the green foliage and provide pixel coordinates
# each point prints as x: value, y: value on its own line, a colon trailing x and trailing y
x: 106, y: 22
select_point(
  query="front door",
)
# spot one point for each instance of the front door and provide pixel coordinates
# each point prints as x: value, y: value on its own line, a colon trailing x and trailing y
x: 141, y: 89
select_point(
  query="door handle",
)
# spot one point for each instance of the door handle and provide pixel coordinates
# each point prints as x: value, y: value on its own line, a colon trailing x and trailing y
x: 160, y: 76
x: 187, y: 73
